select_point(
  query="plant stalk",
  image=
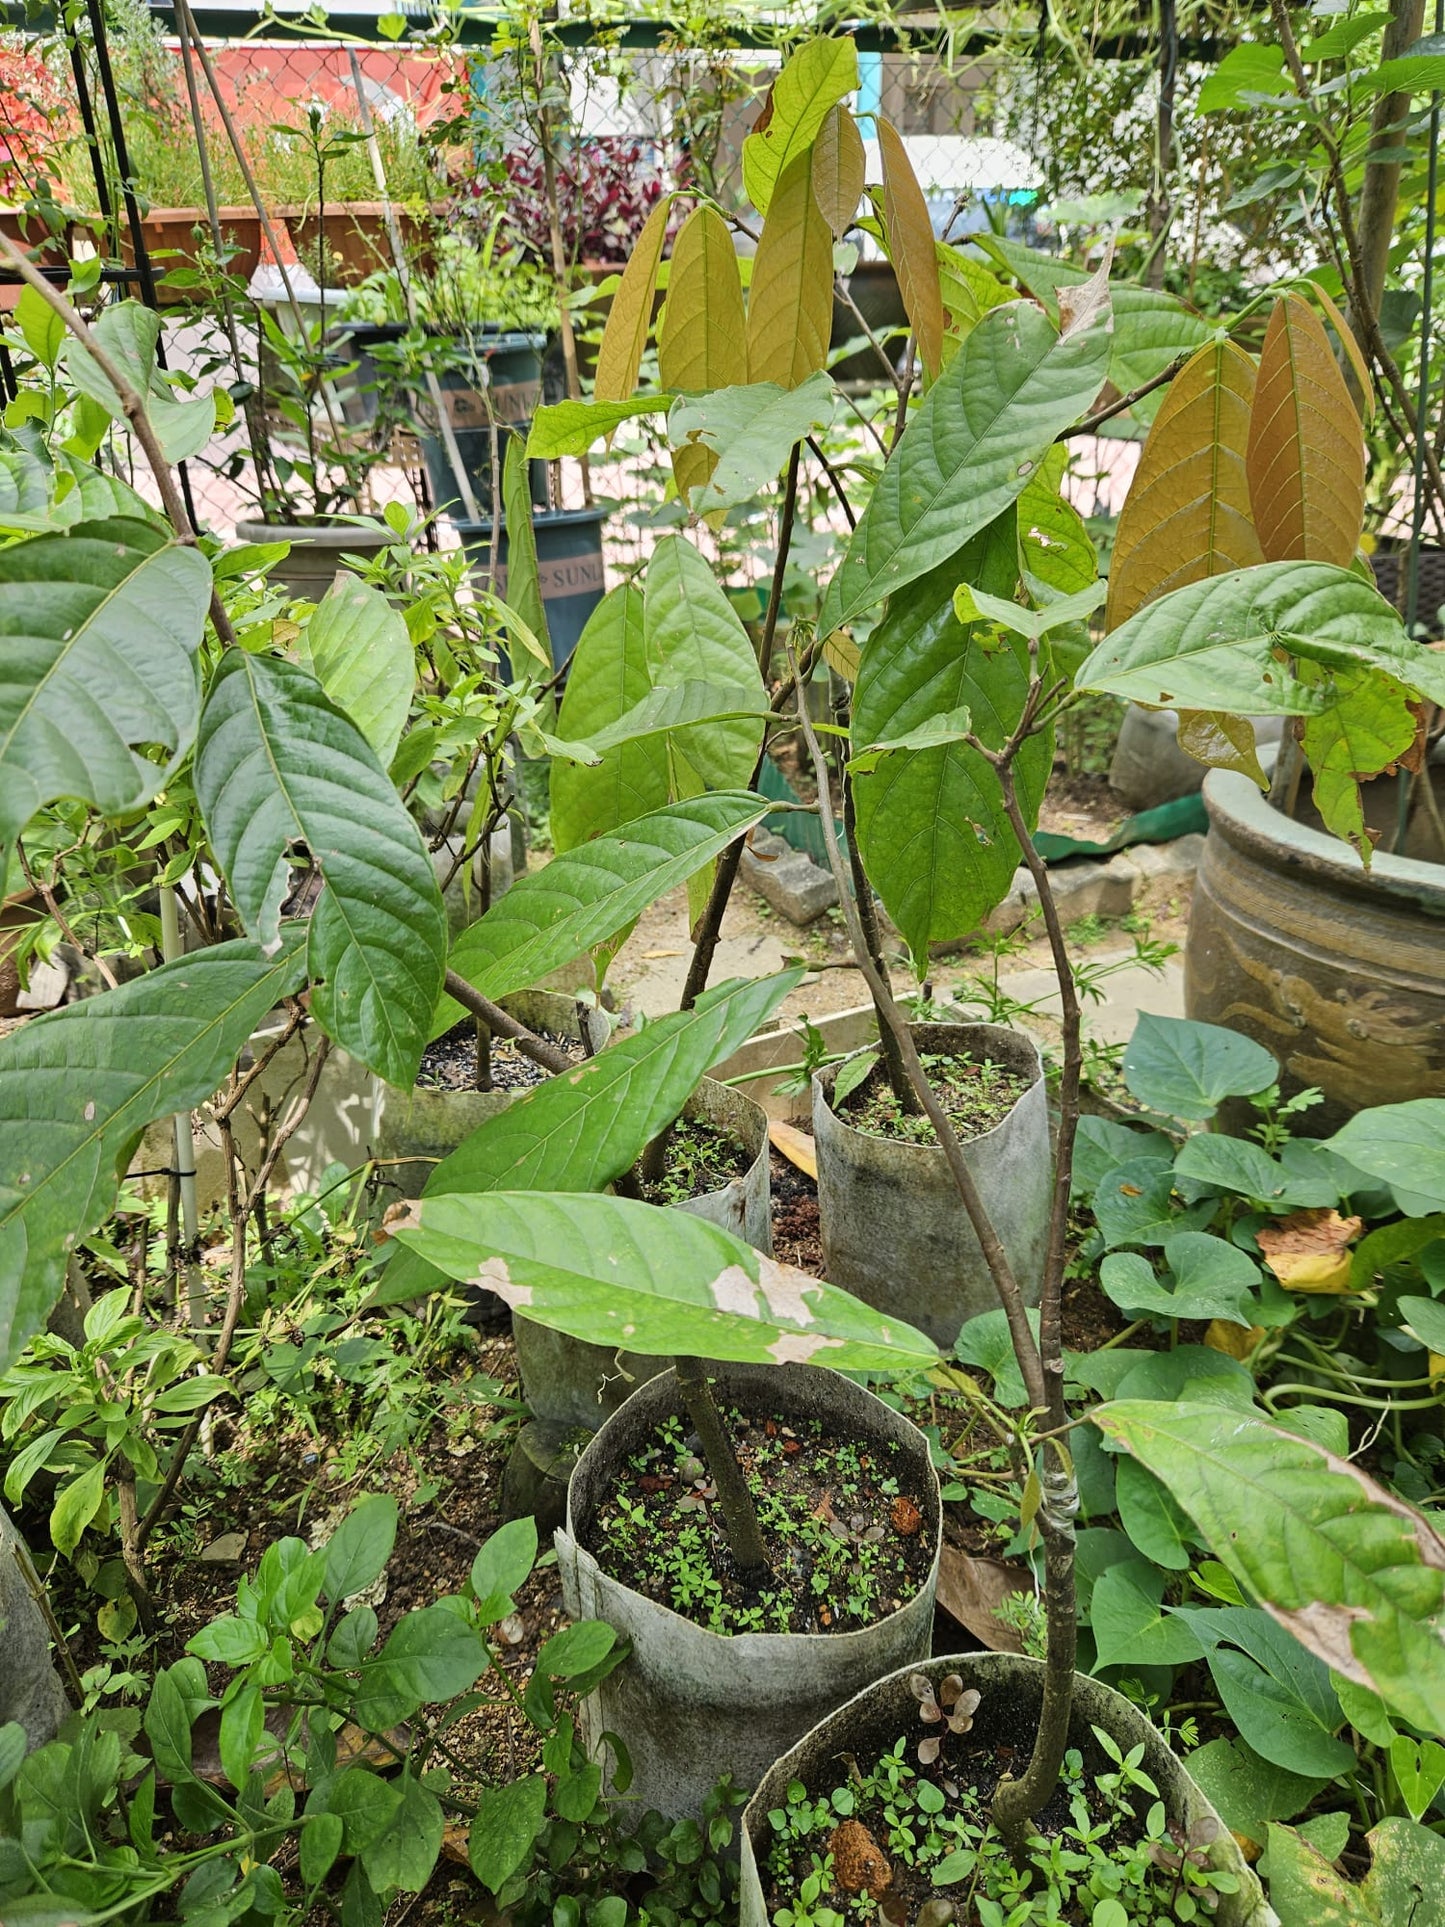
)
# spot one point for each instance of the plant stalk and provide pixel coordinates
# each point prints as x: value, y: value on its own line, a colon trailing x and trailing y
x: 868, y: 922
x: 183, y: 1133
x: 740, y: 1519
x: 503, y: 1024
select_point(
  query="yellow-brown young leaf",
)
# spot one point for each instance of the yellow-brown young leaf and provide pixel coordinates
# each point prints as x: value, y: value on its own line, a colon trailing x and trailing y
x: 1221, y: 741
x: 703, y: 341
x: 1187, y: 513
x: 790, y: 302
x: 911, y: 248
x: 1306, y: 457
x: 839, y: 168
x: 1351, y: 347
x: 623, y: 339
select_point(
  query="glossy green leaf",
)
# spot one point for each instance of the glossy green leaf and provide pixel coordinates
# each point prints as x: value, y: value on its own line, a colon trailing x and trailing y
x: 1187, y: 1069
x: 357, y: 1552
x: 101, y: 627
x: 1367, y: 728
x: 1419, y: 70
x: 692, y: 634
x: 130, y: 335
x: 1129, y: 1623
x: 430, y: 1657
x: 583, y: 896
x: 320, y: 1844
x: 972, y: 605
x: 580, y: 1131
x: 402, y: 1858
x: 279, y: 766
x: 572, y: 427
x: 678, y: 706
x: 974, y: 441
x: 243, y: 1721
x: 1277, y: 1693
x: 1154, y: 1522
x: 1152, y: 330
x: 1211, y: 1279
x: 1235, y: 1164
x: 608, y: 676
x: 76, y: 1504
x: 502, y: 1567
x: 1403, y: 1885
x: 1350, y: 1570
x: 1216, y: 644
x: 985, y: 1341
x: 1401, y: 1144
x: 1245, y: 73
x: 810, y: 82
x: 357, y: 647
x: 1135, y: 1205
x: 752, y: 430
x: 364, y: 1803
x: 934, y: 836
x: 77, y: 1088
x: 617, y: 1272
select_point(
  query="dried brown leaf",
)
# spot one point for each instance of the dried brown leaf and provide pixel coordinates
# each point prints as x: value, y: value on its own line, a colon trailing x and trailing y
x: 1187, y: 515
x: 1306, y: 456
x: 972, y: 1590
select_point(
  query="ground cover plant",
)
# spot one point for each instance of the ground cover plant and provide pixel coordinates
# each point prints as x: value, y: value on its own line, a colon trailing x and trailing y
x: 1223, y: 1504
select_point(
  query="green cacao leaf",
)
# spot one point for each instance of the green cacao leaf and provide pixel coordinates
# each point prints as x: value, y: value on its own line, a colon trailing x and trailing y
x: 1350, y: 1570
x: 931, y: 824
x: 100, y: 630
x: 617, y: 1272
x: 609, y: 676
x: 692, y: 635
x: 974, y: 441
x: 78, y: 1087
x: 572, y: 427
x: 1218, y: 644
x: 580, y: 1131
x: 751, y: 430
x: 279, y: 766
x: 585, y: 895
x: 524, y: 582
x: 357, y: 647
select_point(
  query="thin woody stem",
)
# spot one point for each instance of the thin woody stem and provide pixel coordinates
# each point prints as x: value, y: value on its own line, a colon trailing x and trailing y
x: 503, y: 1024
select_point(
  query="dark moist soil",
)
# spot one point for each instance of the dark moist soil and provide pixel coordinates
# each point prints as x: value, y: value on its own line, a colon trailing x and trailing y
x: 967, y: 1773
x: 797, y: 1231
x: 976, y: 1093
x: 450, y: 1064
x: 700, y: 1158
x: 820, y: 1498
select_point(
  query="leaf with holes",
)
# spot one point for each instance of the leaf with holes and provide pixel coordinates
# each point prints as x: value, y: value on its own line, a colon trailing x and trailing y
x: 1368, y: 727
x: 1306, y: 456
x: 616, y: 1272
x: 585, y: 895
x: 1350, y: 1570
x: 702, y: 345
x: 278, y: 769
x: 1220, y: 643
x: 809, y: 84
x: 580, y: 1131
x: 976, y: 438
x: 625, y: 336
x: 932, y: 828
x: 790, y: 300
x: 1187, y: 512
x: 908, y: 233
x: 607, y: 677
x: 77, y: 1088
x: 101, y: 629
x: 1402, y: 1888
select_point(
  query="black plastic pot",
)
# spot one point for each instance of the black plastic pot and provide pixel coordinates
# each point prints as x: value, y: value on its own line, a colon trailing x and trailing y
x: 509, y: 396
x: 355, y: 342
x: 569, y: 564
x: 318, y: 550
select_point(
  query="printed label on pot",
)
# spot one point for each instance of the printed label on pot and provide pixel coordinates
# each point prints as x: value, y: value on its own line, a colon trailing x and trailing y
x: 467, y: 407
x: 570, y: 575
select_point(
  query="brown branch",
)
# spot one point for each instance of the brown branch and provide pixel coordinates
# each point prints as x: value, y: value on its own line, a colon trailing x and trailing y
x: 503, y: 1024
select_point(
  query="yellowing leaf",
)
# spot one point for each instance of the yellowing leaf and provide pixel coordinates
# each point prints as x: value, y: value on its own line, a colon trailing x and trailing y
x: 1187, y: 515
x: 1221, y: 741
x: 1346, y: 335
x: 1306, y: 457
x: 703, y: 342
x: 968, y: 291
x: 1367, y: 729
x: 1310, y: 1249
x: 816, y: 77
x: 839, y: 167
x: 796, y: 1146
x: 842, y: 654
x: 790, y: 302
x: 1235, y: 1341
x: 623, y: 339
x: 911, y: 248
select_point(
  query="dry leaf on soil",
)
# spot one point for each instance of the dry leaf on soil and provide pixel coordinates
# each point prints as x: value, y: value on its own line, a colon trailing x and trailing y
x: 796, y: 1146
x: 1309, y: 1250
x: 972, y: 1590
